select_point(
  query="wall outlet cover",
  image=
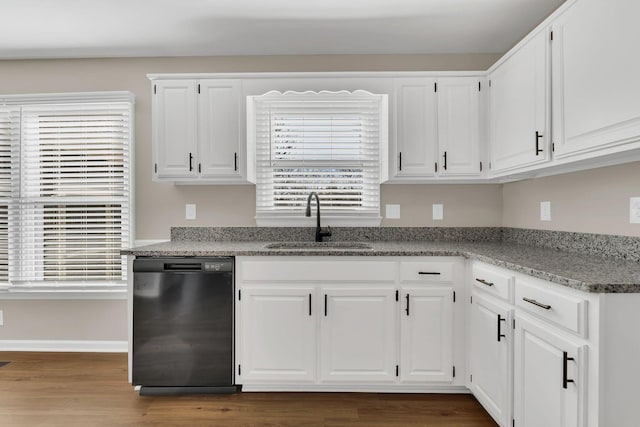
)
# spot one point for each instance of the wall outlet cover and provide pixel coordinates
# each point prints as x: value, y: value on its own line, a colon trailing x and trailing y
x: 1, y: 318
x: 392, y: 211
x: 634, y: 210
x: 438, y: 212
x: 190, y: 211
x: 545, y: 211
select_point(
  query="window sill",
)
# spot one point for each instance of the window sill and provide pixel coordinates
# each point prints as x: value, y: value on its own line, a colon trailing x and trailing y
x: 23, y: 292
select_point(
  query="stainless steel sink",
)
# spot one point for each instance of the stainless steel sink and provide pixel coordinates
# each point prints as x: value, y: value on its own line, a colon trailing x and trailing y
x: 319, y: 245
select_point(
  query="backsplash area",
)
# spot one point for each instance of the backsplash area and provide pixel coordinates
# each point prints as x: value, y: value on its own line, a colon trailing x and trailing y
x: 619, y: 247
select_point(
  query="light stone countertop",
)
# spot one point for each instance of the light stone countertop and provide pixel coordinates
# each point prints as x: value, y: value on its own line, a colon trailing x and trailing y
x: 589, y: 273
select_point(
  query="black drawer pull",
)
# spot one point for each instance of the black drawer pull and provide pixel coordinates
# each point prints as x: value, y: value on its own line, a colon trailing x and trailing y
x: 539, y: 304
x: 309, y: 304
x: 429, y: 273
x: 325, y: 305
x: 565, y: 380
x: 538, y: 149
x: 484, y: 282
x: 407, y: 309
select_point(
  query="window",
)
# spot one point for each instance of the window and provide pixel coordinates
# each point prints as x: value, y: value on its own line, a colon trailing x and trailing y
x: 65, y: 191
x: 333, y: 143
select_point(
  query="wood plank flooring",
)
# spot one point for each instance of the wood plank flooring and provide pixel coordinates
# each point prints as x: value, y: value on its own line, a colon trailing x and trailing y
x: 91, y: 389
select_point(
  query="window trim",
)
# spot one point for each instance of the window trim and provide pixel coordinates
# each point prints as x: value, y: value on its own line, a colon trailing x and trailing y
x: 290, y: 219
x: 114, y: 289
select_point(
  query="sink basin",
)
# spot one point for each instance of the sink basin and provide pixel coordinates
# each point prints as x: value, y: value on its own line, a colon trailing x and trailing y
x: 319, y: 245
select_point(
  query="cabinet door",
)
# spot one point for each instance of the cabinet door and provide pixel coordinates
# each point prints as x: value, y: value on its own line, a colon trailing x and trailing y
x: 596, y: 87
x: 174, y: 128
x: 490, y: 357
x: 519, y: 107
x: 544, y: 359
x: 416, y: 128
x: 219, y: 129
x: 278, y: 330
x: 358, y: 335
x: 459, y: 126
x: 426, y: 335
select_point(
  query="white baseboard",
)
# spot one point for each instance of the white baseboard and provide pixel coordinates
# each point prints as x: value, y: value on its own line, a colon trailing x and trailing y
x: 64, y: 346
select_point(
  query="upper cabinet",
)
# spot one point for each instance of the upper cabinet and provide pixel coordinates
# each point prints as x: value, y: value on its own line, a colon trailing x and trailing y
x: 519, y: 98
x: 198, y: 131
x: 596, y: 79
x: 437, y: 128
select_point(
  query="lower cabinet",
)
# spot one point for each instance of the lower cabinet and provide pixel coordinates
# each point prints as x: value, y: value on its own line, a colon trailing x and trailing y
x: 550, y: 379
x: 355, y: 327
x: 278, y: 334
x: 426, y: 334
x: 358, y: 334
x: 491, y: 356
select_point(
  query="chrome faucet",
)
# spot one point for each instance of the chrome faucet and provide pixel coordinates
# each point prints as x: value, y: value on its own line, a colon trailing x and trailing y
x: 319, y: 233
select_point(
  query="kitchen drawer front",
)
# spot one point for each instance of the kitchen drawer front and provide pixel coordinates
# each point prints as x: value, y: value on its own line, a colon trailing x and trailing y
x: 287, y: 269
x: 427, y: 271
x: 562, y: 309
x: 493, y: 280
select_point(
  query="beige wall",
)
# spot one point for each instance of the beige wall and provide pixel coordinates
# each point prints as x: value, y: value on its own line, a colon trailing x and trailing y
x: 159, y: 206
x: 594, y: 201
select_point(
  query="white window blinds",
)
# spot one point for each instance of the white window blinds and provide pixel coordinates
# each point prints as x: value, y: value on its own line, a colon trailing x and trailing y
x: 327, y: 142
x: 71, y: 197
x: 9, y: 153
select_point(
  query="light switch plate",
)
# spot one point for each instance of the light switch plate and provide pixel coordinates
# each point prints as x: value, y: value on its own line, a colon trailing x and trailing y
x: 545, y: 211
x: 438, y: 212
x: 393, y: 211
x: 190, y: 211
x: 634, y: 210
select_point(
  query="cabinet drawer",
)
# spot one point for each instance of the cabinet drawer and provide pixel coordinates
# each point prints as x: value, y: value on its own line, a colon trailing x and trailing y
x: 492, y: 280
x: 426, y: 271
x: 287, y: 269
x: 562, y: 309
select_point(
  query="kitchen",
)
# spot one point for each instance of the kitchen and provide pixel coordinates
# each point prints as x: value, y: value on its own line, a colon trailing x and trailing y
x: 592, y: 201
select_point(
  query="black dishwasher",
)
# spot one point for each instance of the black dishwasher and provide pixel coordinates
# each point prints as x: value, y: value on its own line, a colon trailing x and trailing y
x: 183, y: 325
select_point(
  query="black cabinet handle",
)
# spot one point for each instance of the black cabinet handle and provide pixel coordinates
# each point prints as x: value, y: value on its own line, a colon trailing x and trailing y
x: 565, y: 380
x: 235, y: 161
x: 536, y: 303
x: 309, y: 304
x: 400, y: 160
x: 407, y: 309
x: 538, y: 149
x: 325, y: 305
x: 429, y: 273
x: 500, y: 334
x: 190, y: 162
x: 484, y: 282
x: 444, y: 166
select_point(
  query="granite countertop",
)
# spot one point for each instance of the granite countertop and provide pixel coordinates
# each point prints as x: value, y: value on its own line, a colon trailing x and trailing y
x: 586, y: 272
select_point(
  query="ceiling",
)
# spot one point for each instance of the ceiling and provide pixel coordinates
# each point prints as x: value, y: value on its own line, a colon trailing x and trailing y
x: 125, y: 28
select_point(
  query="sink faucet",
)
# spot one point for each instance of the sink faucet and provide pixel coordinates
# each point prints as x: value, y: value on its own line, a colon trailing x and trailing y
x: 319, y: 233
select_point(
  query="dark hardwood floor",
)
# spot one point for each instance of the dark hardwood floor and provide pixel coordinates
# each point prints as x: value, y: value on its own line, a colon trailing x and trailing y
x: 89, y: 389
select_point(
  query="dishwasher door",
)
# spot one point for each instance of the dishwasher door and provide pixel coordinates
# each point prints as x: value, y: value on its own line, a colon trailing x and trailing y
x: 183, y: 324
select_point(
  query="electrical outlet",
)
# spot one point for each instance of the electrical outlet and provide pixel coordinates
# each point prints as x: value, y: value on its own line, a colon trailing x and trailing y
x: 545, y: 211
x: 190, y: 211
x: 1, y: 318
x: 438, y: 212
x: 634, y: 210
x: 393, y: 211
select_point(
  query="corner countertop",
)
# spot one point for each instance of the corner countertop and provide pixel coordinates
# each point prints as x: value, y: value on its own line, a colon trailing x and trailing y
x: 589, y: 273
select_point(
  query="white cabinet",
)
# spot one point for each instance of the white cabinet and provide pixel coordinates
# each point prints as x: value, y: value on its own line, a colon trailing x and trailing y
x: 596, y: 89
x: 491, y: 355
x: 437, y: 123
x: 459, y: 126
x: 278, y: 333
x: 197, y: 131
x: 519, y: 107
x: 174, y: 128
x: 416, y: 128
x: 426, y: 334
x: 342, y: 323
x: 358, y: 334
x: 550, y: 376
